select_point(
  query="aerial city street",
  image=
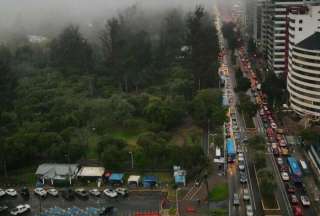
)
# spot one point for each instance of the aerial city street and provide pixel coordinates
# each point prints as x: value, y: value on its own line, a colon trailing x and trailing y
x: 149, y: 108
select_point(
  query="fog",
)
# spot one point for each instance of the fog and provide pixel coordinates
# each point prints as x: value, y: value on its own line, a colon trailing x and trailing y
x: 47, y: 17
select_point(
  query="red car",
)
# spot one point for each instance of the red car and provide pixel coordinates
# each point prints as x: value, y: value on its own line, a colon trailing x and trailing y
x: 290, y: 188
x: 284, y: 168
x: 297, y: 211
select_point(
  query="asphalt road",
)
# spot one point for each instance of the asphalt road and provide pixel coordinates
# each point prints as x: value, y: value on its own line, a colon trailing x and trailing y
x: 148, y: 201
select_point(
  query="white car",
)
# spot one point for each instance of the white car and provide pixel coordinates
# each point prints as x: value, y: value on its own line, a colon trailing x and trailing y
x: 122, y: 191
x: 52, y: 192
x: 11, y: 192
x: 240, y: 157
x: 285, y: 176
x: 305, y: 200
x: 273, y: 125
x: 249, y: 210
x: 110, y: 193
x: 246, y: 195
x: 241, y: 165
x: 20, y: 209
x: 279, y: 161
x: 2, y: 193
x: 95, y: 192
x: 40, y: 192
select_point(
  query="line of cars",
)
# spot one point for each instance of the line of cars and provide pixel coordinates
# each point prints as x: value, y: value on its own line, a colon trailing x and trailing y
x: 279, y: 147
x: 67, y: 193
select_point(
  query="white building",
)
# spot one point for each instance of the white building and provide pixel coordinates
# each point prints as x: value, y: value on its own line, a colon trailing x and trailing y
x: 274, y: 33
x: 304, y: 60
x: 304, y: 77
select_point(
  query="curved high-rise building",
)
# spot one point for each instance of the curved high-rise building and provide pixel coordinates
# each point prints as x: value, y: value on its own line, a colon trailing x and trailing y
x: 304, y: 76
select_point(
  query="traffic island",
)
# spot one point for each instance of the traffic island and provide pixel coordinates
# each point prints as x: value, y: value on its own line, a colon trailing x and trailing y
x: 269, y: 202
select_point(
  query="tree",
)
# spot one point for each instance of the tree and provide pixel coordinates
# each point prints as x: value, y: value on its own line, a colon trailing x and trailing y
x: 119, y: 109
x: 245, y: 105
x: 228, y: 31
x: 243, y: 83
x: 207, y: 106
x: 167, y: 112
x: 7, y: 79
x: 202, y: 40
x: 259, y: 158
x: 267, y: 183
x: 257, y: 143
x: 113, y: 152
x: 171, y: 38
x: 274, y: 87
x: 71, y: 52
x: 251, y: 46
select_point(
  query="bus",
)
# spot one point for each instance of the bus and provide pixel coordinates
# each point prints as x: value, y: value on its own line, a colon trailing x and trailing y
x: 295, y: 169
x: 231, y: 152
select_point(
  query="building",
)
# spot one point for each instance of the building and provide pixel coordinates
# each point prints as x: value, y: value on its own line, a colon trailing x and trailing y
x: 57, y: 173
x: 257, y: 21
x: 91, y: 173
x: 304, y: 77
x: 274, y: 34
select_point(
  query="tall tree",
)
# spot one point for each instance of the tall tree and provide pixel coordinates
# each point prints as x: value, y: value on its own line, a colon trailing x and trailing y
x: 203, y: 42
x: 71, y: 51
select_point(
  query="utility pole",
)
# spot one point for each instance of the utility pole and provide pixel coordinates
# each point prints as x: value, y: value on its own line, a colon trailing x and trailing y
x: 131, y: 154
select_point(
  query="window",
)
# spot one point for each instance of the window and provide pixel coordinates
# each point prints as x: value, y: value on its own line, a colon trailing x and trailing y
x: 300, y: 29
x: 300, y: 21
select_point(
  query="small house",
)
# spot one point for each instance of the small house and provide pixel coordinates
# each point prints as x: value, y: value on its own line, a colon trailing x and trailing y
x: 116, y: 178
x: 149, y: 181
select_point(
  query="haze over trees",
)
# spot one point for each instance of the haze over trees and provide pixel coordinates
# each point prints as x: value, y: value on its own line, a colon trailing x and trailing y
x: 70, y: 99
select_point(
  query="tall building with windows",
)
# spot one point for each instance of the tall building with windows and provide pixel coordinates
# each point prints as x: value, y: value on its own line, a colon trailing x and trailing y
x: 274, y: 34
x: 304, y: 60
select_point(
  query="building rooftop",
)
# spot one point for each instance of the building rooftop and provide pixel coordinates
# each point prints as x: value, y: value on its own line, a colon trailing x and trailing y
x: 311, y: 42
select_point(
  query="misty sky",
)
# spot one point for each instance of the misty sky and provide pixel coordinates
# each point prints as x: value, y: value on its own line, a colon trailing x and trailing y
x: 37, y: 15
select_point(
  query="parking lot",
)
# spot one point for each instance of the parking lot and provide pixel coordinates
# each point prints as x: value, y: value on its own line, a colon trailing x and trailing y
x: 136, y: 201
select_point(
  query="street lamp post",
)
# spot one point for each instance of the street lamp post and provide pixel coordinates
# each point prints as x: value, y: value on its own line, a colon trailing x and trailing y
x: 131, y: 155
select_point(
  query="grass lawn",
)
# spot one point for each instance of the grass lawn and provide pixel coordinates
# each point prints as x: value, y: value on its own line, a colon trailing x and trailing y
x: 269, y: 202
x: 219, y: 193
x: 219, y: 212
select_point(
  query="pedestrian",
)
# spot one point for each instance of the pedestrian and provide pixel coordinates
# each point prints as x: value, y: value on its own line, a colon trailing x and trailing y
x: 199, y: 201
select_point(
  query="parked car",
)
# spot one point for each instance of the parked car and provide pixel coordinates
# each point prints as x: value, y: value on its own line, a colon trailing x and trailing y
x: 236, y: 200
x: 11, y: 192
x: 293, y: 199
x: 2, y: 192
x: 297, y: 211
x: 241, y: 165
x: 280, y: 161
x: 290, y: 188
x: 40, y: 192
x: 305, y: 200
x: 110, y: 193
x: 3, y: 208
x: 53, y: 192
x: 107, y: 211
x: 20, y: 209
x: 24, y: 192
x: 285, y: 176
x: 95, y: 192
x: 246, y: 195
x: 122, y: 191
x: 243, y: 177
x: 284, y: 168
x: 273, y: 125
x: 81, y: 193
x: 249, y: 210
x: 68, y: 194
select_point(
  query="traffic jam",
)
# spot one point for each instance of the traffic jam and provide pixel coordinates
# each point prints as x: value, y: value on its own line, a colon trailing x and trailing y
x: 235, y: 155
x: 287, y: 165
